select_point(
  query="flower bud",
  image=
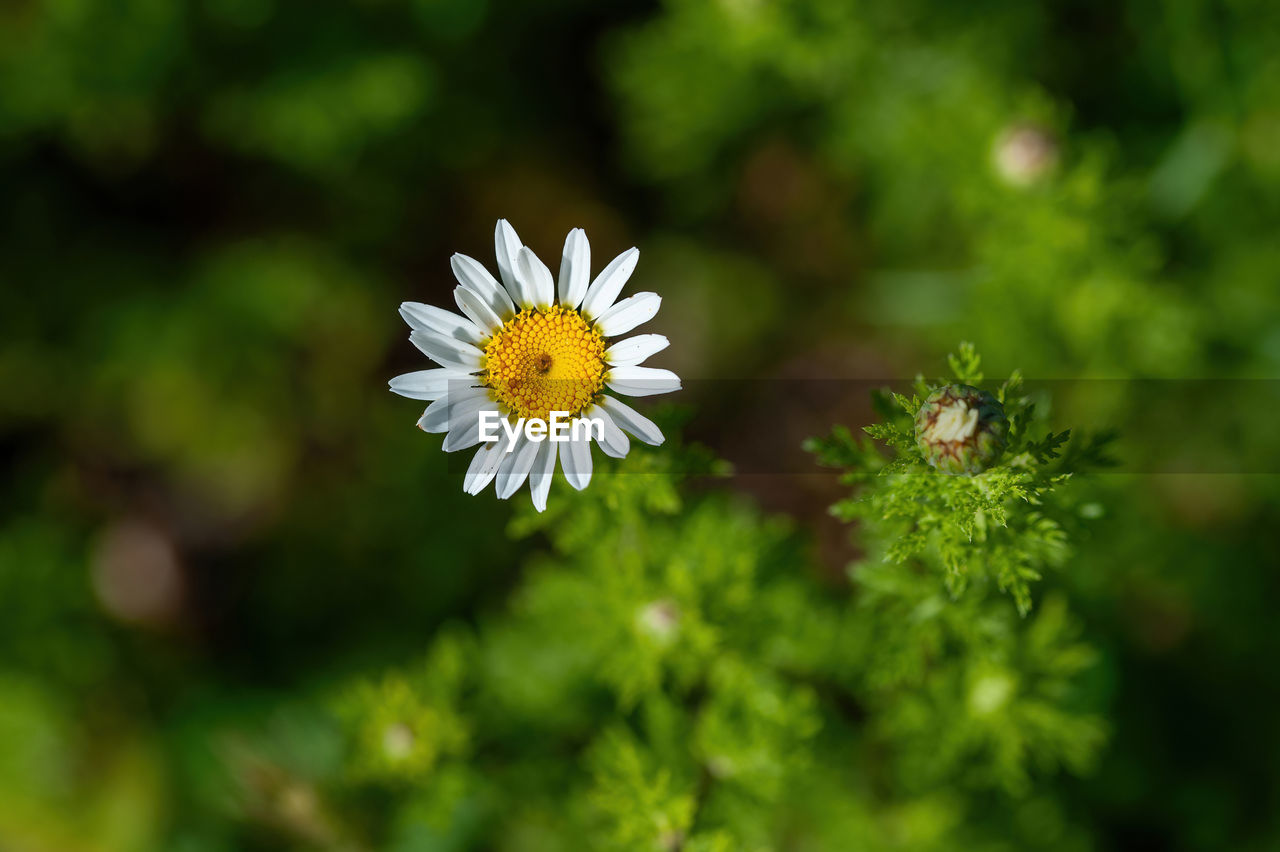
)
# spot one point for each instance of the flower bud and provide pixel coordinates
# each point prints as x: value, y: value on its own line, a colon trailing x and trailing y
x: 961, y: 429
x: 1024, y: 153
x: 660, y: 620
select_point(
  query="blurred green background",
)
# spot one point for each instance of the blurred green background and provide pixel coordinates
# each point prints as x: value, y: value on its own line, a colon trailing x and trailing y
x: 212, y: 509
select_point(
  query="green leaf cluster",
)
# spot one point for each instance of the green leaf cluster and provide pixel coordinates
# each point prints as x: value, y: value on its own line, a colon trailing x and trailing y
x: 1006, y: 525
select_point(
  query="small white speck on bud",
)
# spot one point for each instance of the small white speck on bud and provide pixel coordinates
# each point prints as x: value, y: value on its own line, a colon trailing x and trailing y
x: 1024, y: 153
x: 660, y: 620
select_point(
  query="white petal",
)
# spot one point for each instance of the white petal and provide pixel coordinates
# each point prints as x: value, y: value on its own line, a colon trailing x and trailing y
x: 422, y: 317
x: 535, y: 279
x: 483, y: 467
x: 446, y: 351
x: 632, y: 421
x: 452, y: 409
x: 516, y: 466
x: 575, y: 268
x: 615, y: 442
x: 544, y: 467
x: 464, y: 429
x: 642, y: 381
x: 634, y: 350
x: 609, y: 283
x: 472, y: 275
x: 508, y: 245
x: 629, y: 313
x: 577, y: 462
x: 430, y: 421
x: 428, y: 384
x: 476, y: 310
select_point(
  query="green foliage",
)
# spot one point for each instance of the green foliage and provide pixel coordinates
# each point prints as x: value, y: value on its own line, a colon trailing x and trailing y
x: 321, y: 120
x: 1003, y: 525
x: 406, y: 724
x: 962, y: 686
x: 969, y: 692
x: 634, y: 802
x: 659, y: 661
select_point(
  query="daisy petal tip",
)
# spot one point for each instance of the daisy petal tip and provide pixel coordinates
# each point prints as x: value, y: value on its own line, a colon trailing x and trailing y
x: 507, y: 230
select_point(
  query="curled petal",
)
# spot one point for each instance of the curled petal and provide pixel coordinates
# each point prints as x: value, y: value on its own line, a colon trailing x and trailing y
x: 632, y: 421
x: 609, y: 283
x: 535, y: 279
x: 447, y: 351
x: 629, y: 313
x: 575, y: 268
x: 464, y: 431
x: 516, y: 467
x: 544, y: 467
x: 507, y: 246
x: 577, y: 461
x: 483, y: 467
x: 422, y: 317
x: 428, y: 384
x: 635, y: 350
x: 642, y: 381
x: 614, y: 442
x: 453, y: 409
x: 477, y: 310
x: 472, y: 275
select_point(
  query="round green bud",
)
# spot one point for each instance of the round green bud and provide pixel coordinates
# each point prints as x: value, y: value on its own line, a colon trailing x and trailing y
x: 961, y: 429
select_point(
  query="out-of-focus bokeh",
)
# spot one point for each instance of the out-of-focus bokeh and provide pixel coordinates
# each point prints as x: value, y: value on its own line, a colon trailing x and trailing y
x: 213, y: 513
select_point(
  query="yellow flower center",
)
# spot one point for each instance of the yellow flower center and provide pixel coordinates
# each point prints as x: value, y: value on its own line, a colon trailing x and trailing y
x: 545, y: 360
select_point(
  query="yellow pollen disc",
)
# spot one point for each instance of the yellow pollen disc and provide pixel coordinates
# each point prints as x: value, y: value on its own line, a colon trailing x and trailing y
x: 545, y: 360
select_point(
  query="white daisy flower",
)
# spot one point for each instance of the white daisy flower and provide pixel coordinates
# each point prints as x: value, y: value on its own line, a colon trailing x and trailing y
x: 528, y: 347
